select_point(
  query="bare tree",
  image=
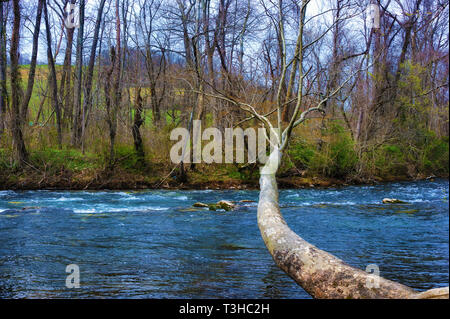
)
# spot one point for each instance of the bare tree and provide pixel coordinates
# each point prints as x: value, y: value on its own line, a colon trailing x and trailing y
x: 3, y: 90
x: 16, y: 123
x: 321, y: 274
x: 113, y: 88
x: 54, y: 83
x: 149, y: 12
x: 65, y: 88
x: 87, y: 102
x: 31, y: 73
x: 77, y: 121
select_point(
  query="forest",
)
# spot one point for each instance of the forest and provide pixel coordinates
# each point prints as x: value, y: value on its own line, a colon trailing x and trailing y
x: 91, y: 90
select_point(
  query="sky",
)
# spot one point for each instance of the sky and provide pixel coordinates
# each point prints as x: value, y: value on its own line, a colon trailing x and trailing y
x: 252, y: 47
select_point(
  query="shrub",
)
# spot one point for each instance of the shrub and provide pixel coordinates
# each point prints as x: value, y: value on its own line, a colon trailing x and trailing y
x: 389, y: 160
x: 301, y: 153
x: 333, y: 157
x: 436, y: 156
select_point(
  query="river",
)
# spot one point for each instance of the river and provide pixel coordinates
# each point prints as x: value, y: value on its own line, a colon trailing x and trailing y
x: 153, y: 244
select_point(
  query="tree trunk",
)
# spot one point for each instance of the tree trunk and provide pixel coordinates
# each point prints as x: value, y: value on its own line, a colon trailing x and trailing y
x: 87, y: 102
x: 3, y: 91
x: 76, y: 134
x: 54, y: 84
x: 154, y: 100
x: 29, y: 91
x: 110, y: 118
x: 408, y: 27
x: 198, y: 66
x: 186, y: 39
x: 288, y: 109
x: 137, y: 122
x: 321, y: 274
x: 19, y: 144
x: 113, y: 106
x: 65, y: 89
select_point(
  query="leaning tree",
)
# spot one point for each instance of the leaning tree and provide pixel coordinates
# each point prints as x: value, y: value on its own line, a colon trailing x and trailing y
x: 320, y: 274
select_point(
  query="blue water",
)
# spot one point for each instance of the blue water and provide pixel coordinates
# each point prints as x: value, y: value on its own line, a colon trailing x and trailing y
x: 151, y: 244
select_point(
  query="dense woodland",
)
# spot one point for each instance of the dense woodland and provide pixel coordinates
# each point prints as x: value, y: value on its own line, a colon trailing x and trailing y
x: 93, y: 106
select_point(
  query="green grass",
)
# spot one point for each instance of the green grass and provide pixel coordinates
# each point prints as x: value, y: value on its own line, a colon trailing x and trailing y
x: 58, y: 159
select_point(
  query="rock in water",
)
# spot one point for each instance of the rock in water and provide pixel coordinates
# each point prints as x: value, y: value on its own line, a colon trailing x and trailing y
x: 392, y: 201
x: 224, y: 204
x: 30, y: 207
x: 198, y: 204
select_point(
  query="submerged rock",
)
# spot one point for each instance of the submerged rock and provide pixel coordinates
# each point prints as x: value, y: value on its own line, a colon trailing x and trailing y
x: 232, y: 247
x: 224, y: 204
x: 408, y: 211
x: 189, y: 209
x: 393, y: 201
x: 30, y: 207
x: 198, y: 204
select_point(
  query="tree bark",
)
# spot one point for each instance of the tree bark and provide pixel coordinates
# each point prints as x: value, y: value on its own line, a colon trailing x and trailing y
x: 3, y: 91
x: 65, y: 89
x: 321, y: 274
x: 137, y: 138
x: 16, y: 123
x: 184, y: 12
x: 54, y: 84
x: 76, y: 134
x: 110, y: 119
x: 32, y: 72
x: 87, y: 102
x: 287, y: 111
x: 113, y: 108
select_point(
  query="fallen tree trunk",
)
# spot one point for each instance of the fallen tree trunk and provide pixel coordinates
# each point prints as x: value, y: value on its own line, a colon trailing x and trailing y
x: 321, y: 274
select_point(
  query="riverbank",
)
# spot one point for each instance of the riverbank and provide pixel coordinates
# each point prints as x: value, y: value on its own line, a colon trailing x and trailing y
x: 210, y: 178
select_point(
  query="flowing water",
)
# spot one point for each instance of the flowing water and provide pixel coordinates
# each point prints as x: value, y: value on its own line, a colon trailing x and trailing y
x: 153, y: 244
